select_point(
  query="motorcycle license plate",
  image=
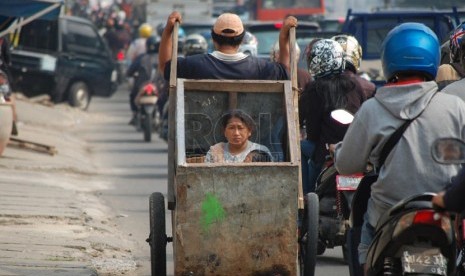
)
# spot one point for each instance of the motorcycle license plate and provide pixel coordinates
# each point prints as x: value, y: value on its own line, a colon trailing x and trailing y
x: 348, y: 182
x: 424, y: 261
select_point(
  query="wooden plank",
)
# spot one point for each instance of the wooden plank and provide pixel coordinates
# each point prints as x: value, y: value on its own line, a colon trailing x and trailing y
x: 295, y: 99
x: 233, y: 100
x: 234, y: 86
x: 30, y: 145
x: 236, y: 220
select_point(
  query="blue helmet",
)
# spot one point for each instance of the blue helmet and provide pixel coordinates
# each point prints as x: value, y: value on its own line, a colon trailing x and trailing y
x: 410, y: 47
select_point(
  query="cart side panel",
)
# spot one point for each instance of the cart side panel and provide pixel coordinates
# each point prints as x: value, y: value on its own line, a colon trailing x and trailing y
x: 236, y: 220
x: 204, y: 110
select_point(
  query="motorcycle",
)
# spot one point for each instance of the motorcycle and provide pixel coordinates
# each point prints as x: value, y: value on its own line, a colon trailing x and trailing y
x: 459, y: 229
x: 121, y: 65
x: 148, y: 118
x: 412, y: 237
x: 335, y: 194
x: 452, y: 151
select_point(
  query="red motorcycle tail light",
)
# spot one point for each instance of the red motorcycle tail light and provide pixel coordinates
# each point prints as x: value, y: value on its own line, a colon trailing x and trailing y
x: 429, y: 217
x: 120, y: 56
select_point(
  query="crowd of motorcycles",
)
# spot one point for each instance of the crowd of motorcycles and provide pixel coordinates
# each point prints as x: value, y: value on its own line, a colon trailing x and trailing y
x: 412, y: 238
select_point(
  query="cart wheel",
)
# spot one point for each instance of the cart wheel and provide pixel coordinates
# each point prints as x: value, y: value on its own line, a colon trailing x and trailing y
x: 158, y: 237
x: 147, y: 128
x: 312, y: 234
x: 321, y: 248
x: 345, y: 252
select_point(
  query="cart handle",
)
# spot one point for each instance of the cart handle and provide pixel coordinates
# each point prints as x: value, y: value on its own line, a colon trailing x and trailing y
x: 293, y: 61
x: 171, y: 118
x: 174, y: 55
x: 295, y: 98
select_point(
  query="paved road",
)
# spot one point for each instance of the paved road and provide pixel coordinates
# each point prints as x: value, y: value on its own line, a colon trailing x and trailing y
x: 135, y: 169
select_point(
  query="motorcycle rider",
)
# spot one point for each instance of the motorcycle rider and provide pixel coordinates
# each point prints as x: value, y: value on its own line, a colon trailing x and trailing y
x: 410, y: 58
x: 452, y: 198
x: 453, y: 71
x: 194, y: 44
x: 303, y: 78
x: 329, y: 90
x: 456, y: 87
x: 137, y: 47
x: 142, y: 69
x: 353, y: 59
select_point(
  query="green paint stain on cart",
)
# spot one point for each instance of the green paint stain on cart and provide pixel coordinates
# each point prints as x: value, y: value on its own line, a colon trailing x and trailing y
x: 212, y: 212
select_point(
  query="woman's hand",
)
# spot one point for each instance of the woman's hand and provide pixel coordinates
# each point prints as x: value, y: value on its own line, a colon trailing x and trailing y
x: 331, y: 148
x: 438, y: 200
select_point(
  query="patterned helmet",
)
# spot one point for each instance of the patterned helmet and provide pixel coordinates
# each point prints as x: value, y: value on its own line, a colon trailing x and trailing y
x: 326, y: 57
x: 352, y: 49
x: 455, y: 40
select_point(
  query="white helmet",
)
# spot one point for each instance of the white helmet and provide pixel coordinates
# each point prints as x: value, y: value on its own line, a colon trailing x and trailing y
x: 352, y: 49
x: 274, y: 54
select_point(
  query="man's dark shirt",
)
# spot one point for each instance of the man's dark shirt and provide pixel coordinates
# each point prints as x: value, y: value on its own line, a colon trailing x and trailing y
x: 206, y: 66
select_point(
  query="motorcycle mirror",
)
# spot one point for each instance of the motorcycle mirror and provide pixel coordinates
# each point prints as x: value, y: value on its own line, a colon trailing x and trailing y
x: 449, y: 151
x: 342, y: 116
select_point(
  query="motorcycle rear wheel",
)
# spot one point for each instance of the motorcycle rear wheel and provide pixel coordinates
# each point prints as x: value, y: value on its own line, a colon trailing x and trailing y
x: 147, y: 128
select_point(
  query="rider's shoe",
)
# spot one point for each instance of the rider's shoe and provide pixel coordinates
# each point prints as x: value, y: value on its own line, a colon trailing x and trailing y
x: 133, y: 120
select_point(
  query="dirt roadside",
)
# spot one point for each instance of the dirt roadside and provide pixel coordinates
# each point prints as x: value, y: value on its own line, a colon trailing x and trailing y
x: 50, y: 218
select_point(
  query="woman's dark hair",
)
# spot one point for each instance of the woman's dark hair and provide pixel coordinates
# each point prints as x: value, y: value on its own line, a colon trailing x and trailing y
x: 332, y: 89
x: 224, y: 40
x: 241, y: 115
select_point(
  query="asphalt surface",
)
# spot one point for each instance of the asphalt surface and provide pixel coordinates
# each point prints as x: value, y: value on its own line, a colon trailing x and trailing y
x: 52, y: 221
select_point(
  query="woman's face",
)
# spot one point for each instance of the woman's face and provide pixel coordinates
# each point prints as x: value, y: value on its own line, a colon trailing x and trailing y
x: 236, y: 132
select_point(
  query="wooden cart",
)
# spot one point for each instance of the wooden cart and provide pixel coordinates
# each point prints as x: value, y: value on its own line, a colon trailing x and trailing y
x: 231, y: 219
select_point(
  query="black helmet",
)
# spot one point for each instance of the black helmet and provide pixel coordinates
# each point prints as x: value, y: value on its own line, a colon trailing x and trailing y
x: 195, y: 44
x: 152, y: 44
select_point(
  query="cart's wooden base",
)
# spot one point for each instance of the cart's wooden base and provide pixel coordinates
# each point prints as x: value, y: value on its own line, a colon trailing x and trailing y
x: 236, y: 222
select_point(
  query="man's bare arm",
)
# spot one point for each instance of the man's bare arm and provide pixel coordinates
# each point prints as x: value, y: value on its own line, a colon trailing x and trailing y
x: 284, y: 52
x: 165, y: 49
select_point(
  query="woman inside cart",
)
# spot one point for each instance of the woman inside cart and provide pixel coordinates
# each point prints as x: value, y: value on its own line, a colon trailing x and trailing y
x: 237, y: 129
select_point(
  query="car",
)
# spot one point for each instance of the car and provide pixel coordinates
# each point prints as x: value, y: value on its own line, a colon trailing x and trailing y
x: 197, y: 27
x: 66, y: 59
x: 267, y: 33
x: 334, y: 25
x: 370, y: 29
